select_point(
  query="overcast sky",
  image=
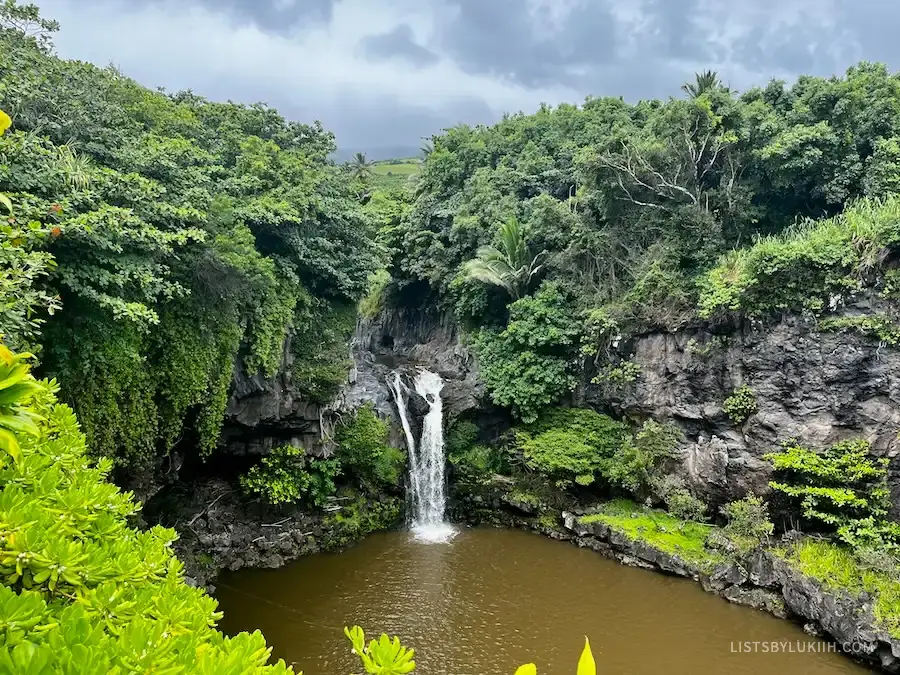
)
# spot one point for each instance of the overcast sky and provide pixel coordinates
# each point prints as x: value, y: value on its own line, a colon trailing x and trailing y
x: 382, y: 74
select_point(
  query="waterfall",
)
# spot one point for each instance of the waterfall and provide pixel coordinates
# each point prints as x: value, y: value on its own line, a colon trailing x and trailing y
x: 426, y: 461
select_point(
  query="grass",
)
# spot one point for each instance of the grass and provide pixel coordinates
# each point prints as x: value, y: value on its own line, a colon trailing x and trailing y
x: 837, y: 569
x: 394, y: 176
x: 657, y: 528
x: 401, y: 168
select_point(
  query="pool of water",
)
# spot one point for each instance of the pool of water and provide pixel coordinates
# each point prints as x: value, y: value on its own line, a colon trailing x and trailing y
x: 489, y: 600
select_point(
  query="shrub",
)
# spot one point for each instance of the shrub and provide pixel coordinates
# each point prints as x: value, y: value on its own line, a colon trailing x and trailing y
x: 678, y: 499
x: 530, y: 364
x: 748, y: 518
x: 878, y: 561
x: 461, y: 435
x: 477, y: 462
x: 635, y: 463
x: 617, y: 375
x: 741, y: 404
x: 289, y: 475
x: 879, y: 326
x: 841, y: 488
x: 685, y: 506
x: 363, y: 448
x: 83, y: 591
x: 805, y: 267
x: 571, y: 444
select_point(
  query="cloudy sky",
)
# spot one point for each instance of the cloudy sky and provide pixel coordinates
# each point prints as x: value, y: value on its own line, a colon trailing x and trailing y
x: 384, y: 73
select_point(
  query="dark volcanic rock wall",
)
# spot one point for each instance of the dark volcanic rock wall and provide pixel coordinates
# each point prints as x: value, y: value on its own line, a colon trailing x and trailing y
x: 814, y: 386
x: 266, y: 412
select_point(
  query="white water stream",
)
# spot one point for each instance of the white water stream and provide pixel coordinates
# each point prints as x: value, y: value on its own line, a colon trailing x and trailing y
x: 426, y: 459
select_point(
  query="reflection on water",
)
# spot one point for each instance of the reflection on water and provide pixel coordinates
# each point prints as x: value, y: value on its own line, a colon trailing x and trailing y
x: 490, y: 600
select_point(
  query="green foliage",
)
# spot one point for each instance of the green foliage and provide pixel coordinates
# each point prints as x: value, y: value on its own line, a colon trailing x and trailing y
x: 471, y: 461
x: 511, y: 267
x: 288, y: 475
x: 17, y: 386
x: 24, y: 299
x: 684, y: 506
x: 373, y: 302
x: 808, y: 266
x: 741, y: 404
x: 102, y: 364
x: 461, y: 435
x: 571, y: 444
x: 181, y: 237
x: 748, y: 519
x: 616, y: 375
x: 477, y: 462
x: 659, y: 529
x: 879, y: 326
x: 838, y: 569
x: 358, y: 516
x: 842, y: 488
x: 382, y: 656
x: 363, y: 449
x: 83, y: 591
x: 635, y: 463
x: 634, y: 204
x: 528, y: 365
x: 320, y: 348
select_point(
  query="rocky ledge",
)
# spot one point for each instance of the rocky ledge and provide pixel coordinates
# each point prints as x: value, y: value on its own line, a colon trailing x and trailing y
x: 762, y: 580
x: 220, y: 529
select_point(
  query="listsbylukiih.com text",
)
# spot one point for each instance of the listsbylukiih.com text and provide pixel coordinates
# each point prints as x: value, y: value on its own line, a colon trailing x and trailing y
x: 796, y: 647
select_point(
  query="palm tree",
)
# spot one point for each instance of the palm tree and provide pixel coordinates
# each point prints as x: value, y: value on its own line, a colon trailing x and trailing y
x: 703, y: 82
x: 426, y: 148
x: 360, y: 167
x: 511, y: 267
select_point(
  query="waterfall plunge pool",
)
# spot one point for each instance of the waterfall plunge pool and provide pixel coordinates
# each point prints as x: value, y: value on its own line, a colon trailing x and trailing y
x: 490, y: 600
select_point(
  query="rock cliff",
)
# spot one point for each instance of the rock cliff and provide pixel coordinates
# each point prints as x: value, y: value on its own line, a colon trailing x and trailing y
x: 265, y: 412
x: 816, y: 387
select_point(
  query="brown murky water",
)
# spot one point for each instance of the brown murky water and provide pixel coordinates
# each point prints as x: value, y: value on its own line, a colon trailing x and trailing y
x: 492, y: 599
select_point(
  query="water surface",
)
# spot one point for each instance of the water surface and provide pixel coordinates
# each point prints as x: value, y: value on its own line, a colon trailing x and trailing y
x: 490, y: 600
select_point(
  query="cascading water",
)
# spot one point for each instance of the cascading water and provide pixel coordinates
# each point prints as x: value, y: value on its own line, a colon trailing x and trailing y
x: 426, y: 461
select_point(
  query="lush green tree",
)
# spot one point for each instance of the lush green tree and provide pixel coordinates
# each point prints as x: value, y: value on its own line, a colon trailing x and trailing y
x: 530, y: 364
x: 511, y: 267
x: 360, y: 167
x: 703, y: 82
x: 179, y: 236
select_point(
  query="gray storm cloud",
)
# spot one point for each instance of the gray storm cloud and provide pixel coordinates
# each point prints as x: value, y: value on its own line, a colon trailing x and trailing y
x: 383, y: 74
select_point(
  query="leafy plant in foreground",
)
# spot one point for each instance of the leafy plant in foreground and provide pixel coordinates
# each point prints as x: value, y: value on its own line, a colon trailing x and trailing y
x: 586, y: 664
x: 382, y: 656
x: 386, y: 656
x: 16, y: 388
x: 83, y: 591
